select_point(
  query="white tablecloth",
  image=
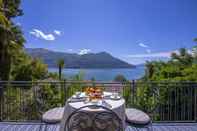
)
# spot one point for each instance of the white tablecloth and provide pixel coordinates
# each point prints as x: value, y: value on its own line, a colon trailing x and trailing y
x: 118, y: 106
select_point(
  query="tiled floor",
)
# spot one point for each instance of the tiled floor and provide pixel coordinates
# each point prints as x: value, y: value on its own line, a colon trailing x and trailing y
x: 156, y: 127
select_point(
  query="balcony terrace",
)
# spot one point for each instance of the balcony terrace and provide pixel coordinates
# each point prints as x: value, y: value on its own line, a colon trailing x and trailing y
x: 171, y: 105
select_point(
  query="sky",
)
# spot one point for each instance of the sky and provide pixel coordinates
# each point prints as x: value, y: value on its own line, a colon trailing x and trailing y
x: 132, y: 30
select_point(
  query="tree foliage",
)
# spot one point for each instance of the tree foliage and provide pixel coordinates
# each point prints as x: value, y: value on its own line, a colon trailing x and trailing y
x: 31, y: 70
x: 195, y: 39
x: 11, y: 37
x: 15, y: 64
x: 180, y: 68
x: 120, y: 78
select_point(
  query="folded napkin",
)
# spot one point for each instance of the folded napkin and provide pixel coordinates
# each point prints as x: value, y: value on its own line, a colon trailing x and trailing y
x: 104, y: 103
x: 100, y: 103
x: 72, y: 100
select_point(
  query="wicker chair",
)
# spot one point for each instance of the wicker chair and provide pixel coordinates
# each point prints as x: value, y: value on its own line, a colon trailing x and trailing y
x: 138, y: 119
x: 103, y: 120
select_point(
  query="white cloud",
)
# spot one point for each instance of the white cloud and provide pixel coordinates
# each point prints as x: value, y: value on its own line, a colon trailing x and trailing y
x: 57, y: 32
x: 148, y: 51
x: 84, y: 51
x: 143, y: 45
x: 137, y: 61
x: 142, y: 58
x: 146, y: 47
x: 70, y: 50
x: 18, y: 24
x: 39, y: 34
x: 153, y: 55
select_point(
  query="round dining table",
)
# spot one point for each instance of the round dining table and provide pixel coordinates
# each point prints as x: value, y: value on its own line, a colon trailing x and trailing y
x: 116, y: 105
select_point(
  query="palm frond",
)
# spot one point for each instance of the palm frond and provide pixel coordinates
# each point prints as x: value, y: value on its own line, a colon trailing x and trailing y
x: 1, y: 3
x: 195, y: 39
x: 4, y: 22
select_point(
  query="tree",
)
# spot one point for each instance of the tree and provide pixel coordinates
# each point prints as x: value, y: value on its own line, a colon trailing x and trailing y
x: 60, y: 64
x: 4, y: 28
x: 120, y: 78
x: 11, y: 38
x: 194, y: 51
x: 12, y: 8
x: 4, y: 22
x: 30, y: 69
x: 149, y: 70
x: 195, y: 39
x: 183, y: 57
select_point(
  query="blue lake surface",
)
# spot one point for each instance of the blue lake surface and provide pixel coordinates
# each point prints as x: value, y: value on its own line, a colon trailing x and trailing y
x: 104, y: 74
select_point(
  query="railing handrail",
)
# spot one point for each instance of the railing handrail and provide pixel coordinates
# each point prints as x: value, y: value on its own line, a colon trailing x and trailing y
x: 99, y: 82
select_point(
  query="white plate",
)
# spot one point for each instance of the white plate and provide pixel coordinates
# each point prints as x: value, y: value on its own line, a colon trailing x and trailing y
x: 115, y: 97
x: 79, y: 95
x: 76, y: 96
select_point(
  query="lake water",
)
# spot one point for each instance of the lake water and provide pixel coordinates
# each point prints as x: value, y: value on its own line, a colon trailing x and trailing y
x: 104, y: 74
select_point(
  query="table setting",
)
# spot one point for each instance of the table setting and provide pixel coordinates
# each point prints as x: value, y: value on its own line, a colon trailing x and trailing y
x: 94, y: 96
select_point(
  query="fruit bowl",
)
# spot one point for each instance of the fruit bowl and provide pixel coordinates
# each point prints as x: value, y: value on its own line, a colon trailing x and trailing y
x: 94, y: 94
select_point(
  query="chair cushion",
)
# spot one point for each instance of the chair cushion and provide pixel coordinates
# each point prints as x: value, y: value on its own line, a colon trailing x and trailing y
x: 135, y: 116
x: 54, y: 115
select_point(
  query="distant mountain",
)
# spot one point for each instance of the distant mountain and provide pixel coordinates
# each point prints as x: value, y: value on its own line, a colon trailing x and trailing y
x: 139, y: 65
x: 91, y: 60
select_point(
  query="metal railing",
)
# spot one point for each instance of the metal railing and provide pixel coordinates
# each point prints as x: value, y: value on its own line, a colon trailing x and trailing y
x: 164, y: 101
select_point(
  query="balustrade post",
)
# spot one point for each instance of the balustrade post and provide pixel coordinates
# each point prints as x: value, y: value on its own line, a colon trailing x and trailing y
x: 1, y: 103
x: 195, y: 103
x: 133, y: 91
x: 65, y: 91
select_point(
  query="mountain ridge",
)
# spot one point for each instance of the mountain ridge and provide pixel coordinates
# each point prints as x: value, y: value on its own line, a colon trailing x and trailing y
x: 74, y: 60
